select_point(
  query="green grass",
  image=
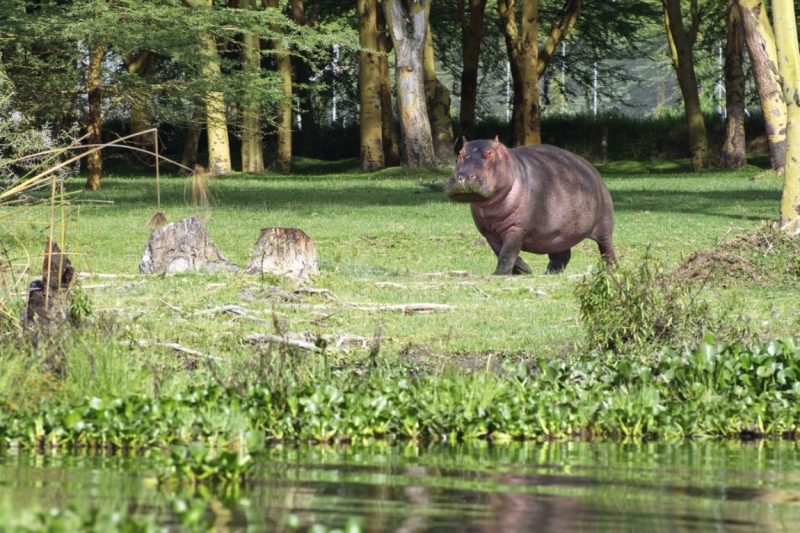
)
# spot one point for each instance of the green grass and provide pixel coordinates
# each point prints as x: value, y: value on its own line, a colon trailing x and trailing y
x: 384, y: 239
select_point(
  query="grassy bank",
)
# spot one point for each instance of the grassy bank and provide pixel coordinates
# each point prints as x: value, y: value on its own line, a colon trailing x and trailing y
x: 382, y: 239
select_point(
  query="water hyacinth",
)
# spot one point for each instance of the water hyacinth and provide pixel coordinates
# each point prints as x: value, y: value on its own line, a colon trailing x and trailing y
x: 724, y: 390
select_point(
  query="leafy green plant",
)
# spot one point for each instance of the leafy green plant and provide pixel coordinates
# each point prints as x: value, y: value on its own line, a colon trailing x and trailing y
x: 627, y: 309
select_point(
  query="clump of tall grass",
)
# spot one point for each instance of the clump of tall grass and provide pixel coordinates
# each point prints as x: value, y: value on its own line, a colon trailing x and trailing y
x: 634, y: 309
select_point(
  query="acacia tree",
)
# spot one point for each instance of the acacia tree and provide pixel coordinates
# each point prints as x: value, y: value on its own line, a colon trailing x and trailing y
x: 733, y: 149
x: 528, y: 62
x: 369, y: 87
x: 391, y: 142
x: 681, y: 44
x: 283, y: 155
x: 437, y: 101
x: 471, y: 35
x: 760, y: 41
x: 252, y: 148
x: 407, y: 22
x: 783, y: 17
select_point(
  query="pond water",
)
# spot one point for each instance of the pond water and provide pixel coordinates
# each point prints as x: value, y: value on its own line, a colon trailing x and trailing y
x: 544, y: 487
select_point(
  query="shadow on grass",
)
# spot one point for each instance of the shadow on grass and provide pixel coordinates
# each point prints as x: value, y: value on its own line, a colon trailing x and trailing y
x: 754, y: 203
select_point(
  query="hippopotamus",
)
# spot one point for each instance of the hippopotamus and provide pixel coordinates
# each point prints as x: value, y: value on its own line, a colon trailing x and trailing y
x: 538, y: 199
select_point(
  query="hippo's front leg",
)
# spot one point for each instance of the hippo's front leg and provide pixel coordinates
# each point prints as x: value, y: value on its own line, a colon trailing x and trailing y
x: 508, y: 259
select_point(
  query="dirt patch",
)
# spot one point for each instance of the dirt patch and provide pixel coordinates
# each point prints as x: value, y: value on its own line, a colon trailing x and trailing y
x: 763, y: 255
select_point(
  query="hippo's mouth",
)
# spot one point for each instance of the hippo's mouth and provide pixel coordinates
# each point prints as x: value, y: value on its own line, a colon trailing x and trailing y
x: 467, y: 189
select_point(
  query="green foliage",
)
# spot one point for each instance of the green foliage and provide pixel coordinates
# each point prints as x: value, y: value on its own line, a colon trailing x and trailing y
x: 628, y: 309
x: 715, y: 390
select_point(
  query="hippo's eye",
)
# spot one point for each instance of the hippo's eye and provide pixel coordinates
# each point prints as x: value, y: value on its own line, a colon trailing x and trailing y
x: 488, y: 154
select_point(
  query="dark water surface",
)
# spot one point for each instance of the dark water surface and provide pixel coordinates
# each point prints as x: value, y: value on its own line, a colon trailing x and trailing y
x: 542, y: 487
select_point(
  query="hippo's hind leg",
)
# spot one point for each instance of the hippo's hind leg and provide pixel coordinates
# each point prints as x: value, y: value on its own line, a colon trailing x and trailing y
x: 607, y: 250
x: 520, y: 267
x: 558, y: 262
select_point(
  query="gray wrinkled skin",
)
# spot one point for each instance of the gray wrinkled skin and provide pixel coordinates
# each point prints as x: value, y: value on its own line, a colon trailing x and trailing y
x: 538, y: 199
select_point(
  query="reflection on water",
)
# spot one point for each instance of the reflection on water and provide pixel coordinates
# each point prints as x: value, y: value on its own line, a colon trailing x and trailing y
x: 543, y: 487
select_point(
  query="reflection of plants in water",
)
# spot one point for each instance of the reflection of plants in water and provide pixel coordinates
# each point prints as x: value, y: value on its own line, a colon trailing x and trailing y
x: 197, y: 464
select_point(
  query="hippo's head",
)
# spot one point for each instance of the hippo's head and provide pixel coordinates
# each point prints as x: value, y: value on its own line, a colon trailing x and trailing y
x: 478, y: 169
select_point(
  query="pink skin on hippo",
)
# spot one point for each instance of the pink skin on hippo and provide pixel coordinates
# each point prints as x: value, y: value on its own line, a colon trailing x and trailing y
x: 538, y: 199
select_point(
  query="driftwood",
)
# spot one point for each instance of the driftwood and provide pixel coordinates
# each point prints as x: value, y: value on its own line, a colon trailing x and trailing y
x: 48, y: 298
x: 266, y: 337
x: 284, y: 252
x: 182, y: 246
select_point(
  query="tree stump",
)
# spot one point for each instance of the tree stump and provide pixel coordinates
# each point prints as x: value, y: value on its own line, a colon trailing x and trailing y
x: 285, y: 252
x: 48, y: 298
x: 182, y: 246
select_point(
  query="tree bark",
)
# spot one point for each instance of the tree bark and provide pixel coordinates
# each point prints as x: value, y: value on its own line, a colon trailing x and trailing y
x: 219, y: 150
x: 192, y: 141
x: 94, y: 125
x: 760, y: 42
x: 783, y: 17
x: 407, y: 21
x: 471, y: 35
x: 140, y: 120
x: 369, y: 87
x: 528, y: 63
x: 391, y: 142
x: 733, y: 149
x: 681, y: 43
x: 252, y: 148
x: 437, y: 100
x: 283, y: 156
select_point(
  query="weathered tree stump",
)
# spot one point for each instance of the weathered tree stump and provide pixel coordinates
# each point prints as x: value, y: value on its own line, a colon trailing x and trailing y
x: 48, y: 298
x: 285, y: 252
x: 182, y: 246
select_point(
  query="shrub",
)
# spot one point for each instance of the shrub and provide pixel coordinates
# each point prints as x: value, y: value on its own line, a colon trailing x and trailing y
x: 626, y: 309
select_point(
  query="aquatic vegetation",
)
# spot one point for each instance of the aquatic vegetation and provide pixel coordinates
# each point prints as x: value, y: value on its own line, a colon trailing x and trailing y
x: 716, y: 390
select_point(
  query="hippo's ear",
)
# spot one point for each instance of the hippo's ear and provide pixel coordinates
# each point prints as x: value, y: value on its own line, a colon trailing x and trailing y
x: 496, y: 141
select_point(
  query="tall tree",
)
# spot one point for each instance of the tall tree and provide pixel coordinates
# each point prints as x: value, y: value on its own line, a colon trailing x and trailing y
x: 760, y: 41
x: 783, y: 16
x: 407, y: 21
x: 219, y: 148
x: 471, y: 36
x: 139, y: 66
x: 528, y: 62
x: 94, y: 124
x: 733, y: 149
x: 369, y: 88
x: 681, y: 44
x: 283, y: 155
x: 437, y: 101
x: 252, y: 149
x: 391, y: 142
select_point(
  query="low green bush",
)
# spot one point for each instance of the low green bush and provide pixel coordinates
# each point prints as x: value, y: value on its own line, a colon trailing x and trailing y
x: 630, y: 309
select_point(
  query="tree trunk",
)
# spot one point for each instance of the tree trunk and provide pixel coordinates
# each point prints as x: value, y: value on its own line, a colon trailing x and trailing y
x: 789, y: 65
x: 94, y: 125
x: 302, y: 77
x: 139, y: 120
x: 528, y: 63
x: 407, y: 21
x: 761, y: 46
x: 369, y: 88
x: 283, y: 156
x: 733, y: 149
x: 192, y: 142
x: 437, y: 100
x: 681, y: 43
x: 471, y: 35
x: 252, y: 149
x: 219, y: 150
x: 391, y: 142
